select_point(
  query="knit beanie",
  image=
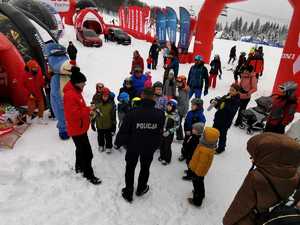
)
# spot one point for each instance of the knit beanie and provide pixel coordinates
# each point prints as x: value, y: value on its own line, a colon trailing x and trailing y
x: 76, y: 76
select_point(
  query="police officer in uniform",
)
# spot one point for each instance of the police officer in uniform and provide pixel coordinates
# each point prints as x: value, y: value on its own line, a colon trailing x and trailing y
x: 140, y: 134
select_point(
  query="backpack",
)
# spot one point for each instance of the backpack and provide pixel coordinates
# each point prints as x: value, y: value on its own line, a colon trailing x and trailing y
x: 284, y: 213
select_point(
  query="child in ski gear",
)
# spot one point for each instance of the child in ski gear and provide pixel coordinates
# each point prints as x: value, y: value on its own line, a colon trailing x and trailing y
x: 136, y: 103
x: 182, y: 97
x: 172, y: 64
x: 33, y: 82
x: 153, y: 53
x: 128, y: 88
x: 275, y: 159
x: 227, y: 107
x: 138, y: 81
x: 232, y: 55
x: 170, y: 127
x: 97, y: 98
x: 169, y: 89
x: 160, y: 100
x: 105, y: 119
x: 149, y: 62
x: 137, y: 61
x: 198, y: 75
x: 215, y: 68
x: 195, y: 115
x: 123, y: 106
x: 190, y: 146
x: 240, y: 67
x: 201, y: 162
x: 283, y: 109
x: 148, y: 82
x: 248, y: 86
x: 77, y: 116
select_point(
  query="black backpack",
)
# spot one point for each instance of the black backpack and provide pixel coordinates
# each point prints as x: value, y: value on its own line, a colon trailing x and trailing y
x: 284, y: 213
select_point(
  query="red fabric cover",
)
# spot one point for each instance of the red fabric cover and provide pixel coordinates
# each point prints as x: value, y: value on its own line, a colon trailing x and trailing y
x: 34, y: 84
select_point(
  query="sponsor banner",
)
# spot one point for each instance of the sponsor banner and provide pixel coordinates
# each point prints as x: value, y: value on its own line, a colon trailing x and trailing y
x: 171, y: 24
x: 161, y: 26
x: 185, y: 23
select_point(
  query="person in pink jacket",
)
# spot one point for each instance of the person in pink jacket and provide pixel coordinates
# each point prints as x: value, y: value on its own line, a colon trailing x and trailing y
x: 248, y: 85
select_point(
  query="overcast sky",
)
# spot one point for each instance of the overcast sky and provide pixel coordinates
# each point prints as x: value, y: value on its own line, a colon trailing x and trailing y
x: 268, y: 10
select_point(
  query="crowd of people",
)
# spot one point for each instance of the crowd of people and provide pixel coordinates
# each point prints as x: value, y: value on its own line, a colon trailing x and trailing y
x: 149, y: 115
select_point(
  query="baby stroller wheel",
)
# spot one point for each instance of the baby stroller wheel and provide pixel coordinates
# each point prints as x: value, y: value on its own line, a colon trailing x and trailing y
x: 250, y: 132
x: 242, y: 126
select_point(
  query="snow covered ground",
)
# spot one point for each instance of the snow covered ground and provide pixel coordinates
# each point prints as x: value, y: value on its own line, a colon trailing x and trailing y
x: 38, y: 187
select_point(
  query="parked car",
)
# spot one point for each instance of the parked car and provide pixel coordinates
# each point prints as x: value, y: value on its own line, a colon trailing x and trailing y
x: 119, y: 36
x: 88, y: 38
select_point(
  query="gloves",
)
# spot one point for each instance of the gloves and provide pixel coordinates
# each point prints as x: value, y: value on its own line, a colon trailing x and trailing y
x: 205, y: 92
x: 166, y: 133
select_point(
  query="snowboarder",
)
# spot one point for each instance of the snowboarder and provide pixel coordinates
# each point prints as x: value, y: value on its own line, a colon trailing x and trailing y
x: 215, y: 69
x: 140, y: 132
x: 248, y: 86
x: 105, y: 121
x: 77, y: 116
x: 169, y: 89
x: 195, y: 115
x: 232, y: 55
x: 283, y: 109
x: 201, y: 162
x: 227, y: 106
x: 182, y: 97
x: 275, y: 161
x: 72, y: 51
x: 153, y: 53
x: 137, y: 61
x: 33, y: 82
x: 170, y: 127
x: 198, y: 75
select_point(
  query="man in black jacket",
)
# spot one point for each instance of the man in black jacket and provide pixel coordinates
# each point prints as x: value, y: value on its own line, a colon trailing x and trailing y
x: 154, y: 52
x: 72, y: 51
x: 140, y: 134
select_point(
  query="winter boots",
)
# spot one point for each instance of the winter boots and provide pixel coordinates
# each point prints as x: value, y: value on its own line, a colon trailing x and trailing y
x: 140, y: 193
x: 95, y: 180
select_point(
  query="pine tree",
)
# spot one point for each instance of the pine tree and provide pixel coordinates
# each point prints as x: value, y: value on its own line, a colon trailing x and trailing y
x: 251, y: 27
x: 240, y: 24
x: 245, y: 28
x: 256, y: 27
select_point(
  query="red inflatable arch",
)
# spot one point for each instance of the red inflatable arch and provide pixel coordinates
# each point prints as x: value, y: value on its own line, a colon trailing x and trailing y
x: 289, y: 68
x: 91, y: 19
x: 11, y: 73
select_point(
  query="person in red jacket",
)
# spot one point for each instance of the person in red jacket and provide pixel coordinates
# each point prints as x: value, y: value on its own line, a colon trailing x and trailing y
x: 77, y: 116
x: 137, y: 61
x: 283, y: 109
x: 248, y: 85
x: 257, y: 61
x: 33, y: 82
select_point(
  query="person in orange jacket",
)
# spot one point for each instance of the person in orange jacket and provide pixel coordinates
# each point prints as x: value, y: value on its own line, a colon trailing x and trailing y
x: 34, y: 82
x: 201, y: 162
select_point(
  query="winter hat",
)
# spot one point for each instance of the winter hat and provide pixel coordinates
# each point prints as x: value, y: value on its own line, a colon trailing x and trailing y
x: 76, y: 76
x: 210, y: 137
x: 198, y: 58
x: 123, y: 97
x: 158, y: 84
x: 172, y: 103
x: 198, y: 102
x: 198, y: 127
x: 105, y: 91
x: 136, y: 102
x: 288, y: 87
x: 31, y: 65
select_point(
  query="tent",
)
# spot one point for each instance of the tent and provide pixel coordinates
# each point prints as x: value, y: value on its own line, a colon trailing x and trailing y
x: 91, y: 19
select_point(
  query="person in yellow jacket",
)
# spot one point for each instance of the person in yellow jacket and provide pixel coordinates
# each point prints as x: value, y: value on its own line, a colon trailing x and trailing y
x: 201, y: 162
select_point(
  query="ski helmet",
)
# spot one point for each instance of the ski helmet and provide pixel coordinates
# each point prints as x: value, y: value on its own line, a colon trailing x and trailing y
x: 105, y: 92
x: 158, y: 84
x: 288, y: 87
x: 243, y: 53
x: 198, y: 58
x: 172, y: 103
x: 198, y: 102
x: 136, y: 102
x: 123, y: 97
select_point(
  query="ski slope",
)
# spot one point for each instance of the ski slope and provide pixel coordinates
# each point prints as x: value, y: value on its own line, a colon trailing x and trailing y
x: 38, y: 186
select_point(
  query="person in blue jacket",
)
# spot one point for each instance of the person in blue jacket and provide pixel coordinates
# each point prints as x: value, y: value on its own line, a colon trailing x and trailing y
x: 138, y: 80
x: 198, y: 75
x: 195, y: 115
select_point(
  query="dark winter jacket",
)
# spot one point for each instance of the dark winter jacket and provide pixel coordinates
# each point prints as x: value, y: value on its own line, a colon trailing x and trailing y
x: 277, y: 157
x: 233, y: 52
x: 215, y: 67
x: 282, y: 111
x: 170, y: 88
x: 138, y: 83
x: 137, y: 62
x: 240, y: 66
x: 123, y: 109
x: 227, y: 107
x: 183, y: 100
x: 141, y: 129
x: 106, y: 116
x: 190, y: 145
x: 197, y: 76
x: 193, y: 117
x: 72, y: 52
x: 154, y: 50
x: 130, y: 91
x: 76, y: 111
x: 171, y: 122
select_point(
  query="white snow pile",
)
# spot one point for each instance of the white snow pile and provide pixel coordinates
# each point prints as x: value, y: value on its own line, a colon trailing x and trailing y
x: 39, y: 187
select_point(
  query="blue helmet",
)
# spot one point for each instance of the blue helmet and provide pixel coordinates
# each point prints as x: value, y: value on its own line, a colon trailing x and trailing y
x: 123, y: 97
x: 198, y: 58
x: 173, y: 103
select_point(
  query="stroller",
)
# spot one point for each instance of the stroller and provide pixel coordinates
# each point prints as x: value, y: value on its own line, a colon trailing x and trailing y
x: 253, y: 119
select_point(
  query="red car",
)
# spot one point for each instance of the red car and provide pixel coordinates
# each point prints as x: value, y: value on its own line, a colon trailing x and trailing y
x: 88, y: 38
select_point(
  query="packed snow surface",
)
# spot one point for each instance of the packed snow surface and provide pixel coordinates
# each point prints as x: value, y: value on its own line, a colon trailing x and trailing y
x: 39, y: 187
